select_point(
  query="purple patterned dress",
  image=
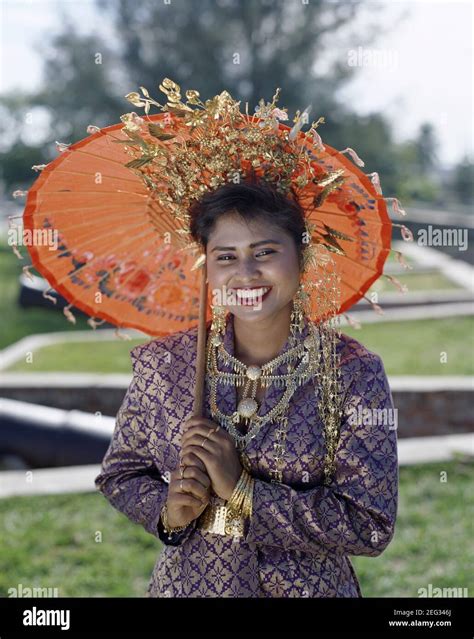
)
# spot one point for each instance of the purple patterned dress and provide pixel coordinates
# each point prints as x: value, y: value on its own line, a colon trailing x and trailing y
x: 301, y: 532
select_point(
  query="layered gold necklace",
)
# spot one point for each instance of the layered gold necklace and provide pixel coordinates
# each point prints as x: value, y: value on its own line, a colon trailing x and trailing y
x: 302, y: 360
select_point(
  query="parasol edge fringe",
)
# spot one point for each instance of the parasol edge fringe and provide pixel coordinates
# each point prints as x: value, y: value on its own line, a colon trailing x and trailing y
x: 49, y: 297
x: 16, y: 252
x: 120, y: 335
x: 352, y: 322
x: 355, y: 158
x: 406, y: 234
x: 396, y: 205
x: 26, y: 271
x: 375, y: 307
x: 401, y: 260
x: 70, y: 317
x: 403, y: 288
x: 375, y: 179
x: 93, y: 323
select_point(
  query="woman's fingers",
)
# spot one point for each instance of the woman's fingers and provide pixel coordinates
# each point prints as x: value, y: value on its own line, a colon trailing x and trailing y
x: 191, y: 486
x: 193, y: 472
x: 199, y: 440
x: 193, y: 421
x: 209, y: 430
x: 191, y: 459
x: 186, y: 499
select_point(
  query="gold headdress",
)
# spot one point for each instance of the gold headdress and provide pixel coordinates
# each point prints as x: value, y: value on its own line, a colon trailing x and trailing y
x: 224, y: 146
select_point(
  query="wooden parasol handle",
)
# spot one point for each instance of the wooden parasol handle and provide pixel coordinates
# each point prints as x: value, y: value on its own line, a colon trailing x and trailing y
x: 201, y: 347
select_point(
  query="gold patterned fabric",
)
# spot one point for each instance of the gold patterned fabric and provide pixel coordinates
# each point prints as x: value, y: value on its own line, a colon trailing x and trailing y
x: 302, y: 530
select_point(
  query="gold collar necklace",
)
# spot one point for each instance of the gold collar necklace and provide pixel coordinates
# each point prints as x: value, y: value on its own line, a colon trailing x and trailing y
x: 302, y: 360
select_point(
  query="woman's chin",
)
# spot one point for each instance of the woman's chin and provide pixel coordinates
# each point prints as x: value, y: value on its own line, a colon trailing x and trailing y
x: 254, y: 313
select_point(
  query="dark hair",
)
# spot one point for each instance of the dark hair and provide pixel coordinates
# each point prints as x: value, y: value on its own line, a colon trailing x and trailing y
x: 251, y: 199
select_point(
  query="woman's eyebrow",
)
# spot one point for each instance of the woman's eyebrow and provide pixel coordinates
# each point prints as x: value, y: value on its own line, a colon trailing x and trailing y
x: 232, y: 248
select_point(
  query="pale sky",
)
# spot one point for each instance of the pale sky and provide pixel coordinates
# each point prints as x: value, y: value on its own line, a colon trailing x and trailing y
x: 420, y: 71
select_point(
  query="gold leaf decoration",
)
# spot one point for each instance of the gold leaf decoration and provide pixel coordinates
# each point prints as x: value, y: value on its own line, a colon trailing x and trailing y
x: 338, y: 234
x: 212, y: 143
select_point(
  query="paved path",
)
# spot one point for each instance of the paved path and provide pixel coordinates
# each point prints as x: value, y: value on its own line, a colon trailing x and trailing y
x: 457, y: 271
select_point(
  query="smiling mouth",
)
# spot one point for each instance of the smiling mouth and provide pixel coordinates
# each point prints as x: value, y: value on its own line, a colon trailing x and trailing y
x: 250, y: 297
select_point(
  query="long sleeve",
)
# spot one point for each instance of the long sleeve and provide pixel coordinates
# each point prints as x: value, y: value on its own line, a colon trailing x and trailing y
x: 355, y: 513
x: 129, y: 478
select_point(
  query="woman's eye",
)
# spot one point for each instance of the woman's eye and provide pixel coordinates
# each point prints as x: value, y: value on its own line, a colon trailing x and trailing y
x: 266, y: 251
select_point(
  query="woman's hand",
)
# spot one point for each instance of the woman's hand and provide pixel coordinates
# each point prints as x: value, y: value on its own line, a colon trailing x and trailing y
x: 218, y: 454
x: 188, y: 495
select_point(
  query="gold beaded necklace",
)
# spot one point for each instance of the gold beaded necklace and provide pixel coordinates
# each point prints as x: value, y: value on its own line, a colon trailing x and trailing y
x: 302, y: 361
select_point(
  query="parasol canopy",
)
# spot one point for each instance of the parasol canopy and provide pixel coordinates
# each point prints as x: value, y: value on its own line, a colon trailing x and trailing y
x: 119, y: 259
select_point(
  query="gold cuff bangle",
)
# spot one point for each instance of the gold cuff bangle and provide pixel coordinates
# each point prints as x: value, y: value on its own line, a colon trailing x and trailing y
x: 222, y: 517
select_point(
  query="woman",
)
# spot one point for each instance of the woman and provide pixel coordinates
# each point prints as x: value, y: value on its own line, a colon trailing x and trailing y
x: 164, y: 470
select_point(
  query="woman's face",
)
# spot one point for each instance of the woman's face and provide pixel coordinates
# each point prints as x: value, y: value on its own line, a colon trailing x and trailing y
x: 254, y: 255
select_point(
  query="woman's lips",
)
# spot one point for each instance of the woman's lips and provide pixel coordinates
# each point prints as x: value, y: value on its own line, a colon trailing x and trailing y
x: 253, y: 300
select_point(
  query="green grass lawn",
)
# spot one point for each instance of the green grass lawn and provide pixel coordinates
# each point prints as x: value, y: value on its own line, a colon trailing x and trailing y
x: 416, y: 347
x: 433, y: 541
x: 407, y: 348
x: 50, y: 541
x: 96, y: 357
x: 414, y: 282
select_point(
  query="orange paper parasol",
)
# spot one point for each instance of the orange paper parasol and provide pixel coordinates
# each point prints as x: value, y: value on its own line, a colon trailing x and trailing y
x: 119, y: 258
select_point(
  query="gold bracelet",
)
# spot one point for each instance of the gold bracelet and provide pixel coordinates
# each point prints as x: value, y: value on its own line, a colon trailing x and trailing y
x: 164, y: 518
x: 239, y: 505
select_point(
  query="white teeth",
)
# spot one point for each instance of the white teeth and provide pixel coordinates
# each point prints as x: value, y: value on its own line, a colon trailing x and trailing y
x: 250, y: 294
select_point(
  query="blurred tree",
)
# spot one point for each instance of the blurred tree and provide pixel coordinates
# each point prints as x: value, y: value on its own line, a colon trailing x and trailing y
x: 16, y: 169
x: 463, y: 181
x: 76, y: 91
x: 371, y: 137
x: 416, y: 163
x: 425, y: 145
x: 248, y: 47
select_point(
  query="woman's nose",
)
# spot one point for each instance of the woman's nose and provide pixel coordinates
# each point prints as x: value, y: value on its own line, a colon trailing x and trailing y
x: 248, y: 270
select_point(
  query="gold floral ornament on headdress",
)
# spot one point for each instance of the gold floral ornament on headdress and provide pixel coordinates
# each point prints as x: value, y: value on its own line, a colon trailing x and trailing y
x: 225, y: 146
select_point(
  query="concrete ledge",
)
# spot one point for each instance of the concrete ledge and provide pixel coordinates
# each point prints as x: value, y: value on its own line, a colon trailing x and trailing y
x: 419, y: 450
x: 89, y: 392
x: 42, y: 436
x: 49, y: 481
x: 430, y: 405
x: 396, y: 299
x: 80, y: 479
x: 64, y: 380
x: 454, y: 269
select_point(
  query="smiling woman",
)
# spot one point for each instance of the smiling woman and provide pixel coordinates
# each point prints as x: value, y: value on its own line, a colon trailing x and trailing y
x: 253, y: 237
x: 262, y: 498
